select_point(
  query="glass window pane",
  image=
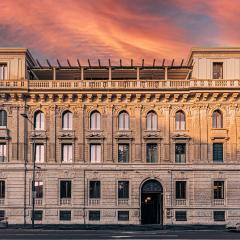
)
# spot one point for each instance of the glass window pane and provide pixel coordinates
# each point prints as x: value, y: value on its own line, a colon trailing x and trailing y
x: 180, y: 190
x: 2, y: 189
x: 65, y: 215
x: 94, y: 216
x: 180, y: 152
x: 123, y: 215
x: 123, y: 189
x: 152, y: 153
x: 65, y: 189
x: 3, y: 118
x: 39, y: 189
x: 94, y: 189
x: 67, y: 153
x: 123, y: 153
x: 218, y: 152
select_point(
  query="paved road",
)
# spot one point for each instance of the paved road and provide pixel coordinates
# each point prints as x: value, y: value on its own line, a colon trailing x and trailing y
x: 115, y: 234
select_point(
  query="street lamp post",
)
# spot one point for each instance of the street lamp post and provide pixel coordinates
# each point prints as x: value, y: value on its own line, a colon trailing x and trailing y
x: 24, y: 115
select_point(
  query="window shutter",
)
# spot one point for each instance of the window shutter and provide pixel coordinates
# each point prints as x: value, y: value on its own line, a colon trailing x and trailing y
x: 98, y: 159
x: 98, y: 127
x: 70, y: 120
x: 70, y: 153
x: 42, y: 153
x: 126, y: 121
x: 154, y: 121
x: 149, y: 121
x: 41, y: 121
x: 92, y: 153
x: 64, y: 121
x: 120, y: 121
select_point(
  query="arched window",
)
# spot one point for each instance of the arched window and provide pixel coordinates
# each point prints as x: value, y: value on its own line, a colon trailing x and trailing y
x: 217, y: 119
x: 151, y: 121
x: 39, y: 120
x: 123, y: 121
x: 67, y: 120
x: 95, y: 121
x: 180, y: 120
x: 3, y: 118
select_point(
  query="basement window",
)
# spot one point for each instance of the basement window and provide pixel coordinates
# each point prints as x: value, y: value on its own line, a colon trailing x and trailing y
x: 181, y: 215
x: 219, y: 216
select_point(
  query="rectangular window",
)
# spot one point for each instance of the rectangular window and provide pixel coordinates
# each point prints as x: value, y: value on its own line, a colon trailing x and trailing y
x: 123, y: 189
x: 94, y: 215
x: 123, y: 215
x: 39, y: 189
x: 65, y: 215
x: 181, y: 216
x: 180, y: 152
x: 152, y: 153
x: 3, y: 152
x: 2, y: 215
x: 218, y: 152
x: 2, y: 189
x: 219, y: 215
x: 218, y: 70
x: 67, y: 153
x: 218, y: 189
x: 94, y: 189
x: 39, y: 153
x: 95, y: 153
x: 180, y: 189
x: 65, y: 189
x: 38, y: 214
x: 123, y: 153
x: 3, y: 71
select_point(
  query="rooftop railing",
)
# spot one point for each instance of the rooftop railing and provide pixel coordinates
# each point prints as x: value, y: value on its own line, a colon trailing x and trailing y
x: 117, y: 84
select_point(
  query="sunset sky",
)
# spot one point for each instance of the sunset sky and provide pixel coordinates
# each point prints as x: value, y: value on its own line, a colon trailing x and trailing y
x: 118, y: 28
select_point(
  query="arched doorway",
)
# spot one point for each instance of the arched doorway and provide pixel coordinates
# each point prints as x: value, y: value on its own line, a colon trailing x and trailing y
x: 151, y: 202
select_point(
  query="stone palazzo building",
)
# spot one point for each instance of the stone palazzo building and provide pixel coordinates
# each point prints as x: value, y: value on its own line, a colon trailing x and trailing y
x: 155, y: 144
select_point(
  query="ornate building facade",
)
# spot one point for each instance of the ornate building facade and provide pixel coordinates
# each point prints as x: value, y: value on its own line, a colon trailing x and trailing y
x: 120, y: 144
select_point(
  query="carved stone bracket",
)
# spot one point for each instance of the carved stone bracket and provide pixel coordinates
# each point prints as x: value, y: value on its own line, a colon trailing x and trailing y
x: 95, y: 135
x: 151, y: 135
x: 124, y: 135
x: 66, y: 134
x: 39, y: 134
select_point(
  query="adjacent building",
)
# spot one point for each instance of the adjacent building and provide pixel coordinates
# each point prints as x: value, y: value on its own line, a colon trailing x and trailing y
x: 155, y: 144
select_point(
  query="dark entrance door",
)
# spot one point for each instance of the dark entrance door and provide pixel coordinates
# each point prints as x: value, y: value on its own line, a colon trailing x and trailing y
x: 151, y: 202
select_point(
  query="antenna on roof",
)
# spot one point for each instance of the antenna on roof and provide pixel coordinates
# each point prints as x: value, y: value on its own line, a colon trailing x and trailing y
x: 79, y: 64
x: 131, y: 62
x: 39, y: 64
x: 69, y: 64
x: 142, y: 62
x: 120, y: 62
x: 182, y: 62
x: 109, y: 62
x: 89, y: 63
x: 163, y: 62
x: 49, y: 64
x: 172, y: 62
x: 154, y: 60
x: 99, y: 63
x: 59, y: 63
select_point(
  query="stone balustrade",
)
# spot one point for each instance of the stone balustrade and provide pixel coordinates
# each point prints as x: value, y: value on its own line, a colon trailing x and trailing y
x: 117, y: 84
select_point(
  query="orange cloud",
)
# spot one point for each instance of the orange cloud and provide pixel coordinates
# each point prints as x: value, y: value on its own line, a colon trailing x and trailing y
x: 116, y: 29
